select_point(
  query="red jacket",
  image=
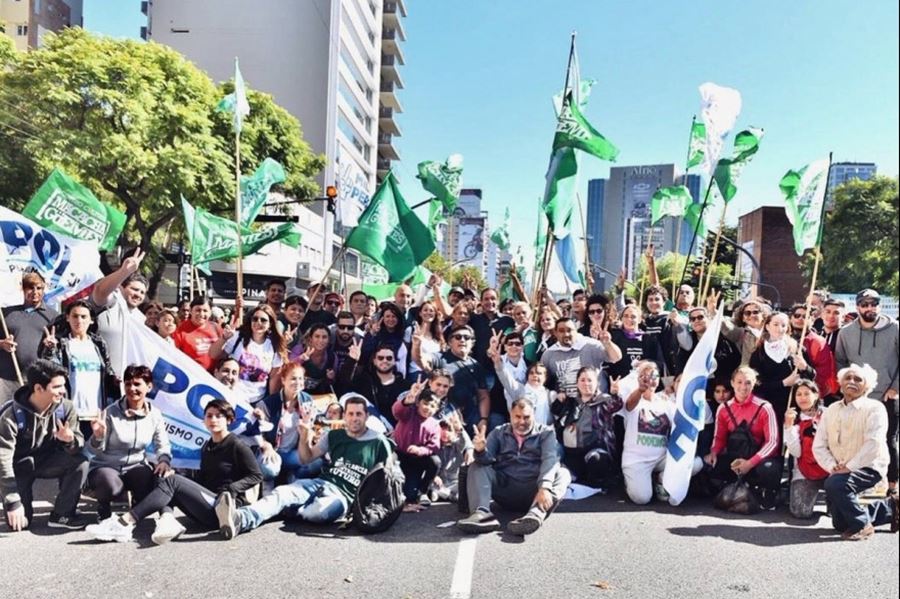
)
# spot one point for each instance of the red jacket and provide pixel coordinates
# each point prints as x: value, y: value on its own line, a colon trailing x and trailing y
x: 764, y: 428
x: 822, y: 359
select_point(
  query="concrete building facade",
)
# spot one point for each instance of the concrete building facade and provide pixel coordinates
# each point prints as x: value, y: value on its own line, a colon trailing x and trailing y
x: 27, y: 21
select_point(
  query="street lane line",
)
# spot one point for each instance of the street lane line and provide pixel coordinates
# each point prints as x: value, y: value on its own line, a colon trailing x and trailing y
x: 461, y: 587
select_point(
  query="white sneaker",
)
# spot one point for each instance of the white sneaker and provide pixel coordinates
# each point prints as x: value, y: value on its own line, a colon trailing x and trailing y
x: 226, y: 513
x: 167, y: 529
x: 111, y: 530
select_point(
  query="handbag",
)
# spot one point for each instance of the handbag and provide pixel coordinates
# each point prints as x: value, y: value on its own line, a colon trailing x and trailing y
x: 737, y: 497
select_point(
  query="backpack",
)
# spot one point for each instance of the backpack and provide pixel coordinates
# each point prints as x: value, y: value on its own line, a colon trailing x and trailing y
x: 379, y: 498
x: 740, y: 443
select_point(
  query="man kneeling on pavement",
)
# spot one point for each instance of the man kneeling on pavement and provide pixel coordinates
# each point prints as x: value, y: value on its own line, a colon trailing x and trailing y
x: 517, y: 465
x: 40, y: 438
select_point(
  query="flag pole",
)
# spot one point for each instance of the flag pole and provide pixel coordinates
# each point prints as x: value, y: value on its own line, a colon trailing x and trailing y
x: 715, y: 250
x: 12, y: 354
x: 815, y: 274
x: 321, y: 283
x: 588, y: 276
x: 680, y: 220
x: 237, y: 214
x: 699, y: 221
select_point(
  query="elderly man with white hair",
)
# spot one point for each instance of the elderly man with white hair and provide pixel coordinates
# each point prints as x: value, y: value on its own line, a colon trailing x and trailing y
x: 849, y: 444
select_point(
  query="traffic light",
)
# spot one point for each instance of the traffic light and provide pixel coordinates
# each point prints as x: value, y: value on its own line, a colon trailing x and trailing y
x: 331, y: 198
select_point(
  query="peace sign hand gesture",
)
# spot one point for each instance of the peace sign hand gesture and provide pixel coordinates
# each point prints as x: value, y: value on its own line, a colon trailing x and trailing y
x: 479, y: 441
x: 355, y: 350
x: 98, y: 426
x: 307, y: 353
x: 712, y: 303
x: 614, y: 385
x: 133, y: 262
x: 416, y: 388
x: 416, y: 334
x: 600, y: 332
x: 50, y: 340
x: 494, y: 345
x: 63, y: 433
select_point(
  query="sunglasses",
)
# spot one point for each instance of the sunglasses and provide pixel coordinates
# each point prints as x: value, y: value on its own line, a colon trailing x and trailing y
x: 462, y: 337
x: 751, y: 312
x: 596, y: 311
x: 333, y: 303
x: 697, y: 318
x: 514, y: 343
x: 259, y: 319
x: 798, y: 315
x: 385, y: 358
x: 868, y: 305
x: 346, y: 327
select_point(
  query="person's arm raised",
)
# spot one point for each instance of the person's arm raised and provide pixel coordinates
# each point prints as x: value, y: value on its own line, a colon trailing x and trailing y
x: 105, y: 287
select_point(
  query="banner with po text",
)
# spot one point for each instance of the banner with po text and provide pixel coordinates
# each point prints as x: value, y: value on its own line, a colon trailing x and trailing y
x: 181, y: 389
x: 69, y: 266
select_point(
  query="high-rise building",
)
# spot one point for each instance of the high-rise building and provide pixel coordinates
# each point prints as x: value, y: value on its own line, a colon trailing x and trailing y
x: 618, y: 220
x: 466, y: 238
x: 841, y: 172
x: 333, y: 64
x: 27, y: 22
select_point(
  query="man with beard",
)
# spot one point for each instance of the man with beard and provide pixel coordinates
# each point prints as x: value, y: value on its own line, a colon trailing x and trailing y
x: 848, y: 445
x: 381, y: 384
x: 343, y: 335
x: 516, y: 465
x: 874, y: 339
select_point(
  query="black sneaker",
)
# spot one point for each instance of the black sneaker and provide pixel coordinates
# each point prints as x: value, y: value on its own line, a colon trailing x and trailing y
x: 74, y: 521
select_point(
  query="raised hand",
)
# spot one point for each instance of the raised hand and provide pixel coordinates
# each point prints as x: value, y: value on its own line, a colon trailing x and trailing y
x: 620, y: 280
x: 790, y: 417
x: 355, y: 350
x: 494, y: 344
x: 600, y: 332
x: 50, y: 340
x: 416, y: 334
x: 306, y: 355
x: 712, y: 302
x: 306, y: 418
x: 98, y: 426
x: 9, y: 343
x: 133, y: 262
x: 614, y: 385
x: 63, y: 433
x: 416, y: 388
x: 479, y: 441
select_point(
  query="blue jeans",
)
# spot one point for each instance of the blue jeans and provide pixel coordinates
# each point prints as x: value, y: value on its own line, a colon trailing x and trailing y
x: 311, y: 499
x: 293, y: 468
x: 847, y: 515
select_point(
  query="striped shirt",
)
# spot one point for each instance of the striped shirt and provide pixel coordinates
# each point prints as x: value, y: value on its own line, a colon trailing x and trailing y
x: 764, y: 429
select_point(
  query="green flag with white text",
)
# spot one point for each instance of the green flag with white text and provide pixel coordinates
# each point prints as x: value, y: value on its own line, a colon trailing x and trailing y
x: 500, y: 236
x: 236, y: 102
x: 255, y: 189
x: 443, y: 180
x: 728, y: 170
x: 64, y: 206
x: 698, y: 144
x: 669, y: 201
x: 390, y: 233
x: 804, y: 201
x: 693, y: 217
x: 574, y: 131
x: 215, y: 238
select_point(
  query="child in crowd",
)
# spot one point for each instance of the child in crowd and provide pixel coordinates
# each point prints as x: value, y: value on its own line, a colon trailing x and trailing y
x: 417, y: 435
x: 456, y: 451
x: 807, y: 478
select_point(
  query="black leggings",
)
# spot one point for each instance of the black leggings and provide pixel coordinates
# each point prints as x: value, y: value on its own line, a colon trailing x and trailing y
x: 593, y: 467
x: 109, y: 483
x: 190, y: 497
x: 419, y: 472
x: 892, y: 406
x: 766, y: 474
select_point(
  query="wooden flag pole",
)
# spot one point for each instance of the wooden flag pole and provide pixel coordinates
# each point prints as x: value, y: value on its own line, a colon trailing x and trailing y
x: 715, y: 250
x: 588, y: 275
x: 321, y: 283
x: 12, y: 354
x: 679, y: 221
x: 237, y: 215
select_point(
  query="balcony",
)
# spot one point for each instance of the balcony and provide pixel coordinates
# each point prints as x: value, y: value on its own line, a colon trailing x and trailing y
x: 390, y: 42
x: 387, y: 123
x: 388, y: 97
x: 389, y: 71
x: 391, y: 18
x: 386, y: 147
x: 395, y: 7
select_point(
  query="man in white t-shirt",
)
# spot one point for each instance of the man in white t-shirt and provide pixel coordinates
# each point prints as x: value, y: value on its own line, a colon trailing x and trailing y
x: 119, y: 294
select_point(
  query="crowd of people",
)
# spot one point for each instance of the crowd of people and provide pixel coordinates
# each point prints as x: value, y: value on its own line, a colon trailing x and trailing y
x: 481, y: 400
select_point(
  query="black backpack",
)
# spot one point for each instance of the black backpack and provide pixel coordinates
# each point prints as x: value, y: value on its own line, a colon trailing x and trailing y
x: 740, y: 443
x: 379, y: 499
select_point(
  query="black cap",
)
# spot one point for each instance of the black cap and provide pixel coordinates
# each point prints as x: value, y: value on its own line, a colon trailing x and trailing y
x: 456, y: 290
x: 868, y: 294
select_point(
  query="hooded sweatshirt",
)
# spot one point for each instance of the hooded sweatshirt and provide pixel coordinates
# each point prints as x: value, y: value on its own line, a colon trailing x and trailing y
x: 25, y: 433
x: 128, y: 436
x: 879, y: 347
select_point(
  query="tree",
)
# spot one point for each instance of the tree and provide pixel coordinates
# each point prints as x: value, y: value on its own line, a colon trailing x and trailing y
x: 860, y: 247
x: 136, y: 123
x: 454, y: 275
x: 669, y: 268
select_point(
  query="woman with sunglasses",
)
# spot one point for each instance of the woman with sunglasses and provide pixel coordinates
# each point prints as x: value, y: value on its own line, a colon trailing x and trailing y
x: 745, y: 327
x: 388, y: 329
x: 779, y: 362
x: 600, y: 312
x: 317, y: 358
x: 259, y: 348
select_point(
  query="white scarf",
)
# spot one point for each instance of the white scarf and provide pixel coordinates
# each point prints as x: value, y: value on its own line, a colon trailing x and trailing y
x: 777, y: 350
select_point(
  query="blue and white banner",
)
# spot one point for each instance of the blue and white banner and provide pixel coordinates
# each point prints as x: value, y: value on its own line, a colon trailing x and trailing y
x: 354, y: 189
x: 181, y: 389
x: 690, y: 401
x: 68, y: 265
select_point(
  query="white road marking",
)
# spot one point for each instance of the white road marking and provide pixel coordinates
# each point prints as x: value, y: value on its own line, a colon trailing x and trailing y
x: 461, y: 587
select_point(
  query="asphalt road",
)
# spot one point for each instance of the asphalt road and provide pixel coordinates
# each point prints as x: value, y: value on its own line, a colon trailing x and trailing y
x: 596, y: 547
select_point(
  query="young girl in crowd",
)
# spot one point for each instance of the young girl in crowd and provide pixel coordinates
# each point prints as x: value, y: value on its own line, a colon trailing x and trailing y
x: 418, y: 437
x: 166, y: 325
x: 456, y: 451
x: 227, y: 465
x: 800, y: 424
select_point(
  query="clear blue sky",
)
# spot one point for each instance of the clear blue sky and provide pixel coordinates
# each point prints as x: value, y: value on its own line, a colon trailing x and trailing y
x: 819, y: 76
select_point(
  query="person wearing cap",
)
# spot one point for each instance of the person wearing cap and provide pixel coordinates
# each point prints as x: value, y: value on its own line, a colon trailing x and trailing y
x: 355, y: 450
x: 455, y: 296
x: 315, y: 312
x: 874, y: 339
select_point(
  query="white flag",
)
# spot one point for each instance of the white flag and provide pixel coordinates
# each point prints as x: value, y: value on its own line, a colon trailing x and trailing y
x: 719, y: 109
x: 690, y: 403
x: 69, y: 266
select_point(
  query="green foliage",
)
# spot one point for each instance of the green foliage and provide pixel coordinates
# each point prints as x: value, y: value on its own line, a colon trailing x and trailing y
x: 136, y: 123
x: 454, y: 275
x: 860, y: 247
x: 669, y: 268
x: 8, y: 52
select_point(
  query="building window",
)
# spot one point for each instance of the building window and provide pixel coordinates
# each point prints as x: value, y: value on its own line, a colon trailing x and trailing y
x: 21, y: 29
x: 357, y: 74
x: 360, y: 46
x: 355, y: 106
x: 350, y: 132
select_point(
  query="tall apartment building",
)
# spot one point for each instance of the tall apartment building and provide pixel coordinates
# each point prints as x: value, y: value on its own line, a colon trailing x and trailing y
x: 333, y: 64
x: 841, y: 172
x: 26, y: 21
x: 466, y: 238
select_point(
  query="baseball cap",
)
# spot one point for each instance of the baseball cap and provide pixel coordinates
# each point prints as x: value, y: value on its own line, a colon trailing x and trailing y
x: 868, y: 294
x: 457, y: 291
x: 334, y: 296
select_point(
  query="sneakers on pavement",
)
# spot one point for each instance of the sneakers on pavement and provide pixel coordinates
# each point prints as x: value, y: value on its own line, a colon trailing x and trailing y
x: 861, y: 535
x: 111, y: 529
x: 74, y: 521
x: 226, y: 512
x: 424, y: 500
x: 479, y: 522
x: 168, y: 528
x: 525, y: 525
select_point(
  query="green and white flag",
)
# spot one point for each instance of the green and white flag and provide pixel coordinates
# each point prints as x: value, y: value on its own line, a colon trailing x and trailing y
x: 559, y: 193
x: 500, y: 236
x: 255, y: 189
x: 719, y: 110
x: 697, y: 145
x: 540, y: 240
x: 443, y: 180
x: 574, y: 131
x: 728, y: 170
x: 215, y: 238
x: 693, y: 217
x: 64, y: 206
x: 390, y: 233
x: 236, y: 102
x: 669, y: 201
x: 436, y: 219
x: 804, y: 201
